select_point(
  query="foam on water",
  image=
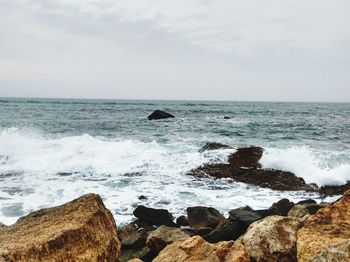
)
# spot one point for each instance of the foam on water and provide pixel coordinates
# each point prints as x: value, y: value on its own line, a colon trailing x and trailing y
x: 39, y: 171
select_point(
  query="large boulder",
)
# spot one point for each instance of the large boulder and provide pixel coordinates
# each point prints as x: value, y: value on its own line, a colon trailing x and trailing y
x: 326, y: 234
x: 154, y: 216
x: 246, y: 157
x: 213, y: 146
x: 163, y: 236
x: 305, y: 209
x: 158, y: 114
x: 335, y: 190
x: 133, y: 237
x: 80, y: 230
x: 200, y: 216
x: 225, y: 231
x: 282, y: 207
x: 244, y: 215
x: 272, y: 239
x: 197, y: 249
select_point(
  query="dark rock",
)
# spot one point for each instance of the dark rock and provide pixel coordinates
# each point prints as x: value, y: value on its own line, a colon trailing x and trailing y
x: 244, y: 167
x: 244, y: 215
x: 246, y: 157
x: 227, y: 117
x: 213, y: 146
x: 265, y: 212
x: 154, y: 216
x: 335, y: 190
x: 133, y: 237
x: 225, y: 231
x: 140, y: 253
x: 182, y: 221
x: 203, y: 217
x: 142, y: 197
x: 202, y: 231
x: 306, y: 201
x: 158, y: 114
x: 282, y: 207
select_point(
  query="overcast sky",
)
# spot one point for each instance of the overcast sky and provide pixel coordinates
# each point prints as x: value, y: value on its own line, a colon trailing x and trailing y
x: 273, y: 50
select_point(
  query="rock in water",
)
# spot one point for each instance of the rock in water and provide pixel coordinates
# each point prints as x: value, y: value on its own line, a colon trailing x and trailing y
x: 80, y: 230
x: 326, y: 235
x: 158, y: 114
x: 272, y: 239
x: 213, y: 146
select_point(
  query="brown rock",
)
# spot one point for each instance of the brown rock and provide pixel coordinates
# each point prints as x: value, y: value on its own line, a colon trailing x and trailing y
x: 335, y: 190
x: 246, y: 157
x: 304, y: 210
x: 272, y: 239
x: 196, y: 249
x: 326, y: 232
x: 135, y: 260
x: 80, y: 230
x: 163, y: 236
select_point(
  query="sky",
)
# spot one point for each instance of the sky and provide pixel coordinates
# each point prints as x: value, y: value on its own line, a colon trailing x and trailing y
x: 253, y: 50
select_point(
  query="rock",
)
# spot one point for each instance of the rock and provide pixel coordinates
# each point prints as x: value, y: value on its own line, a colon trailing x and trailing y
x: 158, y: 114
x: 282, y: 207
x: 244, y: 167
x: 306, y: 201
x: 182, y: 221
x: 230, y: 251
x: 135, y: 260
x: 2, y: 225
x: 130, y: 254
x: 246, y: 157
x: 133, y: 237
x: 142, y: 197
x: 154, y: 216
x: 225, y: 231
x: 201, y: 231
x: 193, y: 249
x: 245, y: 216
x: 335, y: 190
x: 203, y: 217
x: 227, y: 117
x: 197, y: 249
x: 213, y: 146
x: 80, y: 230
x: 326, y: 233
x: 337, y: 252
x: 163, y: 236
x: 304, y: 210
x: 272, y: 239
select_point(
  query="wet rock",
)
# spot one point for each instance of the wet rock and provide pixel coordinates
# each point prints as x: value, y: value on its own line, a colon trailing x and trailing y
x: 80, y: 230
x: 244, y: 167
x: 282, y: 207
x: 158, y: 114
x: 182, y: 221
x: 227, y: 117
x: 272, y: 239
x: 326, y: 234
x: 142, y: 197
x: 335, y: 190
x: 305, y: 209
x: 201, y: 231
x: 200, y: 216
x: 225, y: 231
x: 213, y: 146
x: 163, y: 236
x: 244, y: 215
x: 306, y: 201
x: 154, y: 216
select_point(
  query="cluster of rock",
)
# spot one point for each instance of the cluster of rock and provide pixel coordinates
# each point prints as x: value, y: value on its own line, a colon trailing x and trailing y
x: 84, y: 230
x: 243, y: 166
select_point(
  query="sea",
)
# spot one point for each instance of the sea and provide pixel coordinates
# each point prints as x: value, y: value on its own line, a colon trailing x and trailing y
x: 54, y: 150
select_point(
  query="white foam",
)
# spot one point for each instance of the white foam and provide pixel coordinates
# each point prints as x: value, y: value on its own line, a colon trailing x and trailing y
x: 313, y: 165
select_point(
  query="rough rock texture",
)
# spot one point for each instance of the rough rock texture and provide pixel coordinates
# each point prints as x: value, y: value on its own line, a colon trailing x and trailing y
x: 244, y: 167
x: 2, y: 225
x: 196, y: 249
x: 335, y: 190
x: 305, y: 209
x: 225, y: 231
x: 133, y: 237
x: 163, y: 236
x: 282, y: 207
x: 80, y: 230
x: 158, y: 114
x: 213, y: 146
x: 338, y: 252
x: 272, y: 239
x: 154, y: 216
x: 203, y: 217
x: 140, y: 253
x: 326, y: 232
x: 135, y: 260
x: 244, y: 215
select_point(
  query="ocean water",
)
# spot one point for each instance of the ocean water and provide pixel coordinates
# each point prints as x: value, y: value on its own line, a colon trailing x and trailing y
x: 53, y: 150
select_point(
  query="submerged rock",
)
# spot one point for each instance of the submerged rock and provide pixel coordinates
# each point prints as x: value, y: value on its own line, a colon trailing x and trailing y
x: 154, y: 216
x: 272, y: 239
x: 325, y: 236
x: 158, y: 114
x: 80, y: 230
x: 213, y: 146
x: 200, y: 216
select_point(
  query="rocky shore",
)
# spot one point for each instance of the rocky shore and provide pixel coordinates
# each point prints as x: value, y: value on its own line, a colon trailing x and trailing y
x: 85, y: 230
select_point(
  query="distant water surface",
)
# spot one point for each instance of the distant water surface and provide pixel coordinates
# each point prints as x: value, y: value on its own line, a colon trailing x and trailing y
x: 53, y: 150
